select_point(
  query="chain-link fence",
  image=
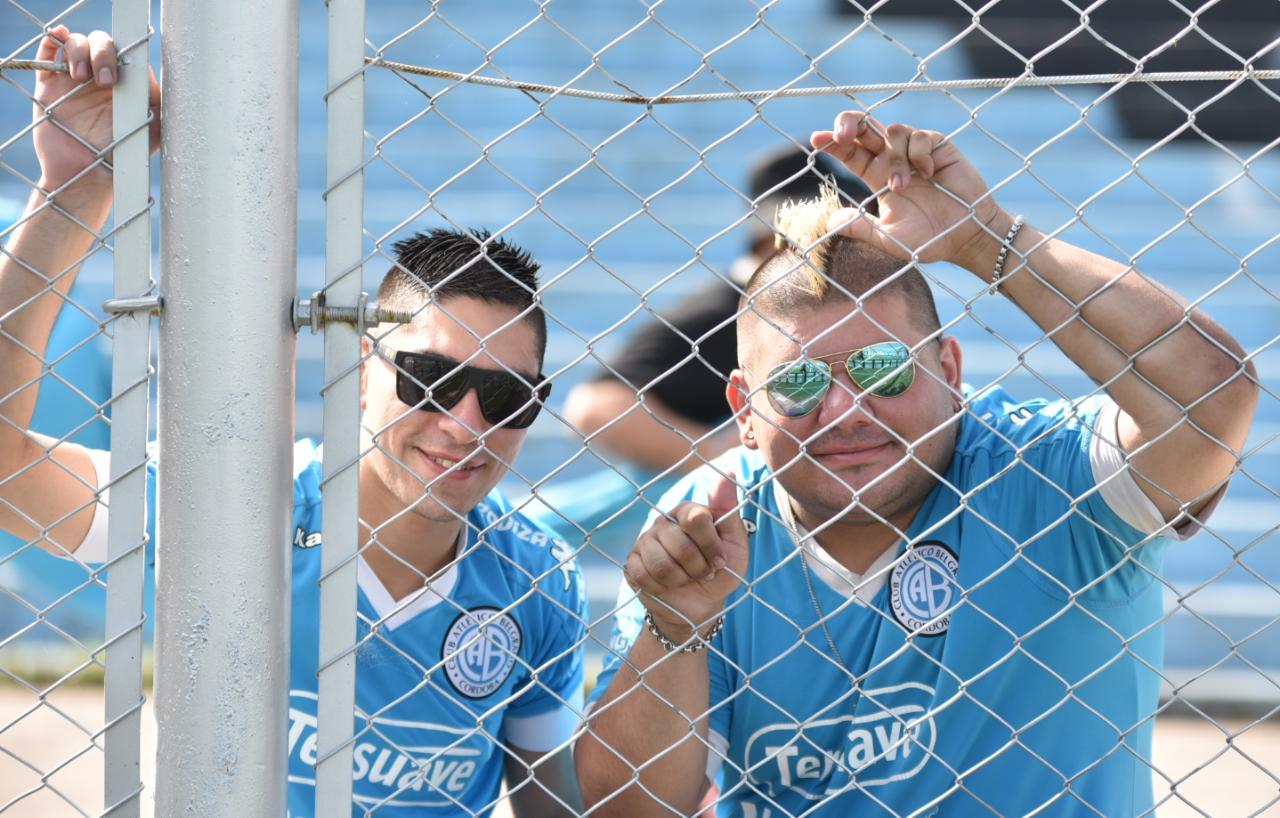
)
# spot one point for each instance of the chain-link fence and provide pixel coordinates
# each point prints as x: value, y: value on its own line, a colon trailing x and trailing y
x: 638, y: 209
x: 72, y: 386
x: 1027, y: 640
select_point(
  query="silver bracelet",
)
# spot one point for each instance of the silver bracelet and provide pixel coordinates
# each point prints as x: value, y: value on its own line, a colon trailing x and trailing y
x: 997, y: 275
x: 696, y: 643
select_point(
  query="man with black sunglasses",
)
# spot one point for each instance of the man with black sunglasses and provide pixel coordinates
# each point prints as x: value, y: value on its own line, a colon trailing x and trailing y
x: 901, y: 595
x: 470, y: 617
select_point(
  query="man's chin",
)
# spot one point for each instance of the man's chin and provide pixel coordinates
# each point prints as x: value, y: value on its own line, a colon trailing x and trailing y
x: 872, y: 498
x: 441, y: 509
x: 863, y: 515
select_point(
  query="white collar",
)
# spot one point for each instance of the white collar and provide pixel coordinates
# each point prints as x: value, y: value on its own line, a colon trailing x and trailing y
x: 435, y: 589
x: 827, y: 568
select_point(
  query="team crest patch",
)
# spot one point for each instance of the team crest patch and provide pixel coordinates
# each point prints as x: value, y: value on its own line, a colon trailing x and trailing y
x: 923, y: 589
x: 480, y: 650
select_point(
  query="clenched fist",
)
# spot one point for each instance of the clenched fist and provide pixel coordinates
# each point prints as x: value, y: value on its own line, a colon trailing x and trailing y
x: 690, y: 560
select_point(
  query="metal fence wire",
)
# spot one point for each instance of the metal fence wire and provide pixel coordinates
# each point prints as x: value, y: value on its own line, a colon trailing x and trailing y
x: 774, y: 543
x: 72, y: 642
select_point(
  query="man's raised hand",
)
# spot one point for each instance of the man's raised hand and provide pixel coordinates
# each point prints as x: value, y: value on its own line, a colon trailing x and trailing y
x: 940, y: 222
x: 78, y: 126
x: 689, y: 561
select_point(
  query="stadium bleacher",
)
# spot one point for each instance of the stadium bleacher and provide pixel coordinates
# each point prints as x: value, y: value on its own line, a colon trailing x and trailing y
x: 631, y: 208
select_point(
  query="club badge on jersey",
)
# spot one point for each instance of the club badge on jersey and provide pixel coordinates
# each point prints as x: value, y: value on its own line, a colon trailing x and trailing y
x: 923, y: 590
x: 480, y: 650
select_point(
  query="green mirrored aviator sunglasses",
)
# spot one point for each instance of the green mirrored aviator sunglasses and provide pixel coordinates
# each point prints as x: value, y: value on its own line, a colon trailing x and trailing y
x: 885, y: 370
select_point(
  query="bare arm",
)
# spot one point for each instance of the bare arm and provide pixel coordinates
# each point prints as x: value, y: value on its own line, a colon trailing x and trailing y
x: 1185, y: 391
x: 47, y: 488
x: 542, y: 785
x: 645, y: 749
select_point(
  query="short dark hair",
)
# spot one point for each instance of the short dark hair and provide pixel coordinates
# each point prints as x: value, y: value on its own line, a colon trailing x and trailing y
x: 440, y: 264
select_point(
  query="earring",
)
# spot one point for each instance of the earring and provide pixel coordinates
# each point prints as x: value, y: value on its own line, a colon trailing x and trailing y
x: 751, y: 435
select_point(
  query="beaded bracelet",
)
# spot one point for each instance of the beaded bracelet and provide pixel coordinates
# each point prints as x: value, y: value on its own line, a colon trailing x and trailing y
x: 692, y: 646
x: 997, y: 275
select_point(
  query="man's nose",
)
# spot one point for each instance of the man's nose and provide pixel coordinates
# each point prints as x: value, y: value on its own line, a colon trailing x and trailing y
x: 463, y: 421
x: 845, y: 407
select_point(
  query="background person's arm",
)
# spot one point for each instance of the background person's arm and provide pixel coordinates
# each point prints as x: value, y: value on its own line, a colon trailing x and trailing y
x: 1185, y: 391
x: 648, y: 434
x: 680, y: 361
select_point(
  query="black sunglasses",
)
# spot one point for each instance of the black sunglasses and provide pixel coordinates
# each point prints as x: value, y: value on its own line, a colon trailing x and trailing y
x: 434, y: 383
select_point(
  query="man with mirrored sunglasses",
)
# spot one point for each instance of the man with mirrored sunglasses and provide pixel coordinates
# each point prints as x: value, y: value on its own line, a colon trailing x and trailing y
x: 902, y: 595
x: 796, y: 388
x: 470, y: 617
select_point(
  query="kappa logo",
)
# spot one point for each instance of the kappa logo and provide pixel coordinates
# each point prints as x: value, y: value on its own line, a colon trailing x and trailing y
x: 1021, y: 415
x: 923, y: 588
x: 305, y: 539
x: 480, y: 651
x: 827, y: 756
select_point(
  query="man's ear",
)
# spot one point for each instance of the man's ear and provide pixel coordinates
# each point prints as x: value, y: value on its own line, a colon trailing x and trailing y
x: 952, y: 360
x: 738, y: 393
x: 366, y: 350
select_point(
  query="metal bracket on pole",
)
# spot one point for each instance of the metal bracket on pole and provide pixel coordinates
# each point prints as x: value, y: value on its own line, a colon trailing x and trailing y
x: 314, y: 312
x: 150, y: 304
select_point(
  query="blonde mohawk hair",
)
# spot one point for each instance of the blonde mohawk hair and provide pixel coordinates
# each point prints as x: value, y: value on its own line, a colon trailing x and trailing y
x: 802, y: 231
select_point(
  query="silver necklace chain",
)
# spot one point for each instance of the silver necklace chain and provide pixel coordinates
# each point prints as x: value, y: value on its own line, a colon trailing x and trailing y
x: 817, y: 609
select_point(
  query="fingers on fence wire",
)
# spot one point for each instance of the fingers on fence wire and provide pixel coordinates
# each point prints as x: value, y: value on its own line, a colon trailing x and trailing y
x: 88, y: 56
x: 935, y: 203
x: 72, y: 109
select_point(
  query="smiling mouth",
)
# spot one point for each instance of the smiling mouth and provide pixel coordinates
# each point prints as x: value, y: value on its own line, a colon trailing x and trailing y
x: 460, y: 467
x: 850, y: 456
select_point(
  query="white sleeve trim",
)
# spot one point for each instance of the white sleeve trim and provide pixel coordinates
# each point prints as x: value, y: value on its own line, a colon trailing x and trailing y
x: 1121, y: 491
x: 716, y: 754
x: 93, y: 548
x: 545, y: 731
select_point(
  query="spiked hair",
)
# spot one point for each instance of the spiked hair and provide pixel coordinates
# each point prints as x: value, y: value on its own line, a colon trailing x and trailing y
x: 813, y: 268
x: 802, y: 231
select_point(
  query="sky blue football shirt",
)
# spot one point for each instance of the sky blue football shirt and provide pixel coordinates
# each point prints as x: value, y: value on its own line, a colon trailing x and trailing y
x: 488, y: 655
x: 1009, y: 664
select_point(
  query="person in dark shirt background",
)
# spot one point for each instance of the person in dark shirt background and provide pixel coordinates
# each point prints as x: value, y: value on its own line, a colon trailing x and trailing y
x: 677, y: 423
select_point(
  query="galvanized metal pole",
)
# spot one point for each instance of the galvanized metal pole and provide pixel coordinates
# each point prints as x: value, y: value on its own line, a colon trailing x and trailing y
x: 130, y: 378
x: 228, y: 225
x: 344, y: 223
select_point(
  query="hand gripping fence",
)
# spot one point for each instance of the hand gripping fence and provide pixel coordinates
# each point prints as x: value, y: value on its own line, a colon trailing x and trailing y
x: 1031, y: 642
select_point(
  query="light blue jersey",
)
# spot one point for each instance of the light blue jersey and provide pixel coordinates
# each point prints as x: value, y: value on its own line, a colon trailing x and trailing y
x: 1008, y: 665
x: 488, y: 655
